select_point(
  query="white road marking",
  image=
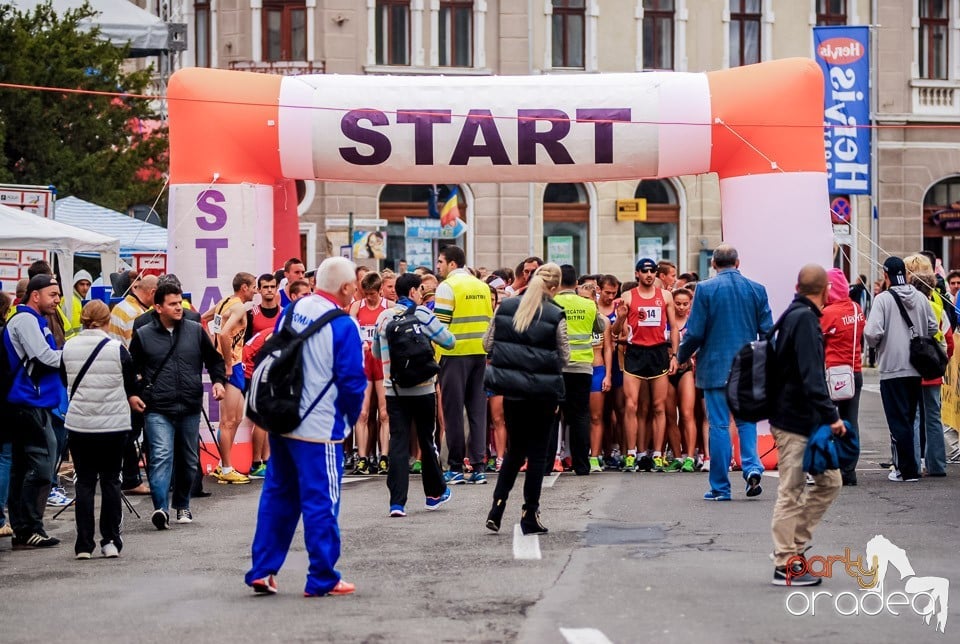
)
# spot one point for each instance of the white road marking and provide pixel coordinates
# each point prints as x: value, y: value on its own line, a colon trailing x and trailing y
x: 874, y: 389
x: 584, y: 636
x: 525, y: 546
x: 353, y: 479
x: 549, y: 480
x: 772, y: 473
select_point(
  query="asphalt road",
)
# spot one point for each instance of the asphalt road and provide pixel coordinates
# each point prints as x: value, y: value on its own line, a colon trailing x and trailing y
x: 629, y: 557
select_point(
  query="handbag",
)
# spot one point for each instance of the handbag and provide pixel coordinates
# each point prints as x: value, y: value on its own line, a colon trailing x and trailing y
x: 926, y: 355
x: 840, y: 382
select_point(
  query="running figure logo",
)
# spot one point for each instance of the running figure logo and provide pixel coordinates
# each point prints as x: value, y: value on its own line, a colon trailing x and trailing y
x: 884, y: 553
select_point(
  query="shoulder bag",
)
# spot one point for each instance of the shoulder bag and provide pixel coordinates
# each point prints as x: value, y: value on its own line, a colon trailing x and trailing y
x: 840, y: 382
x: 926, y: 355
x: 86, y: 366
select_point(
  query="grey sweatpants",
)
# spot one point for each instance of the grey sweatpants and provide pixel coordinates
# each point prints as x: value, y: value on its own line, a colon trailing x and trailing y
x: 461, y: 386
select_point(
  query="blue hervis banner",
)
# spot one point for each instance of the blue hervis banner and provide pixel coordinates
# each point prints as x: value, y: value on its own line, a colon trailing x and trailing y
x: 843, y: 55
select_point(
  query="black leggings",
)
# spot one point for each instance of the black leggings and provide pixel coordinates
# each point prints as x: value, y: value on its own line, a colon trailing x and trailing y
x: 529, y: 423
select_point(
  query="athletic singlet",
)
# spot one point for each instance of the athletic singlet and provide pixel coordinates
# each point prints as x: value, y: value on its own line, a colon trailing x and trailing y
x: 367, y: 319
x: 236, y: 344
x: 260, y: 321
x: 646, y: 319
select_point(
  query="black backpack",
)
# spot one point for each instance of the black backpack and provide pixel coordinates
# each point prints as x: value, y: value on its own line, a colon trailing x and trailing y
x: 276, y: 387
x: 750, y: 386
x: 411, y: 352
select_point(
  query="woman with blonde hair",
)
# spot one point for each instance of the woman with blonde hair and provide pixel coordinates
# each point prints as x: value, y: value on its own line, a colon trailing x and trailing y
x: 929, y: 440
x: 102, y: 385
x: 528, y: 348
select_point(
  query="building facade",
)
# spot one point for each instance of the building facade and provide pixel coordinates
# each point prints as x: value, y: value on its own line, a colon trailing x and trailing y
x: 918, y: 90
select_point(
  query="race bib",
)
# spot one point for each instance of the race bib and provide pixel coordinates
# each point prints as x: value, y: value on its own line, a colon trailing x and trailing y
x: 649, y: 315
x: 215, y: 324
x: 368, y: 333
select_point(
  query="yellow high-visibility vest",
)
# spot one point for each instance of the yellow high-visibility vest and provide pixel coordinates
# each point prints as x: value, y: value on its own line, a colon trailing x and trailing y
x: 472, y: 312
x: 581, y: 314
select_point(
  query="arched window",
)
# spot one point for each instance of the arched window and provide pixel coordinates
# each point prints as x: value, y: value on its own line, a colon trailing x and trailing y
x: 566, y: 223
x: 941, y: 220
x: 658, y: 236
x: 417, y: 241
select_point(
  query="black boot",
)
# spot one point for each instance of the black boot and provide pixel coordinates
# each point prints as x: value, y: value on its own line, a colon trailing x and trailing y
x: 530, y: 522
x: 496, y: 514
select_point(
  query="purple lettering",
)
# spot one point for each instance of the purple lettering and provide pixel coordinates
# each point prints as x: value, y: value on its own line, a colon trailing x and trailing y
x: 423, y: 121
x: 211, y: 246
x: 211, y: 295
x: 218, y: 214
x: 350, y: 126
x: 528, y: 137
x: 213, y: 409
x: 603, y: 120
x: 467, y: 146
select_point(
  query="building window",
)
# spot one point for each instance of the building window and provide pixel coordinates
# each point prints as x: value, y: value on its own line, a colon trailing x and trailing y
x: 658, y: 34
x: 456, y: 33
x: 941, y: 218
x: 400, y: 202
x: 569, y: 21
x: 566, y: 223
x: 934, y: 48
x: 201, y: 25
x: 284, y: 30
x: 392, y: 25
x: 745, y: 18
x: 831, y: 12
x: 658, y: 237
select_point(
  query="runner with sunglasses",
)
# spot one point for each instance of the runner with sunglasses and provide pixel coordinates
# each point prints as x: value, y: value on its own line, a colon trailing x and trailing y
x: 648, y: 313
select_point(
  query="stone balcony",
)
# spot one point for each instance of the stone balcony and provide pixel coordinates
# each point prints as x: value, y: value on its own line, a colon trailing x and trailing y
x: 935, y: 97
x: 279, y: 67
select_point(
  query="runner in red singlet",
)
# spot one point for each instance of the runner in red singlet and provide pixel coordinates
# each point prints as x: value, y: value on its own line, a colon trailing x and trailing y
x: 366, y: 312
x: 647, y: 312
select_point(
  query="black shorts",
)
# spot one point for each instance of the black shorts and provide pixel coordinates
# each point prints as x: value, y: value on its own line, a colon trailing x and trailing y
x: 677, y: 375
x: 647, y: 362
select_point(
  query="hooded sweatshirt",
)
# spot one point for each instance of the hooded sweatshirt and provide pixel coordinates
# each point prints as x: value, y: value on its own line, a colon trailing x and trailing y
x: 887, y: 331
x: 842, y: 324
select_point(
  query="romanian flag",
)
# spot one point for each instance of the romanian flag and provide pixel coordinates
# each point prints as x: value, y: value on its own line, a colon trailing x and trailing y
x: 450, y: 212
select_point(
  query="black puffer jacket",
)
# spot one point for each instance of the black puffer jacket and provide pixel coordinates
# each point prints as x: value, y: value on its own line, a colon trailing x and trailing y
x: 177, y: 390
x: 802, y: 401
x: 526, y: 365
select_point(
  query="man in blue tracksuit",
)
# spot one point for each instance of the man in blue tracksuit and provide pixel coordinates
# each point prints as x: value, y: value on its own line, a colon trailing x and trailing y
x: 306, y: 466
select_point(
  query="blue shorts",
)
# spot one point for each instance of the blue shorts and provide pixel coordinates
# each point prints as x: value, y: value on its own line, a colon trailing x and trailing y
x: 616, y: 374
x: 599, y: 373
x: 238, y: 378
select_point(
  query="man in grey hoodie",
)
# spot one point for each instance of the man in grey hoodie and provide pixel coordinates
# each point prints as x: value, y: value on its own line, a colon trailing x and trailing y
x: 899, y: 381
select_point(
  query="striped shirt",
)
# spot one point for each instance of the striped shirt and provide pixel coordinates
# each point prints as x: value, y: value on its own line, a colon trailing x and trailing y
x: 432, y: 328
x: 122, y: 317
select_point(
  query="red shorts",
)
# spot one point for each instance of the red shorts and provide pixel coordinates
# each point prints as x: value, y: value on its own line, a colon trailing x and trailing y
x: 372, y: 367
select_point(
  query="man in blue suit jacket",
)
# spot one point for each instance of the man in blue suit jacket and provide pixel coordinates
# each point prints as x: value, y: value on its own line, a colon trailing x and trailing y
x: 728, y: 312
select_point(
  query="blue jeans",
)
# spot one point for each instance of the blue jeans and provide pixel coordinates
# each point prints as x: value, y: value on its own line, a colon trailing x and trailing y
x: 173, y: 453
x: 302, y: 478
x: 6, y: 458
x: 928, y: 431
x: 721, y: 449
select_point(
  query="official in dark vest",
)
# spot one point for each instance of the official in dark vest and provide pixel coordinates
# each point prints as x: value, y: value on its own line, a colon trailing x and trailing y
x: 528, y: 346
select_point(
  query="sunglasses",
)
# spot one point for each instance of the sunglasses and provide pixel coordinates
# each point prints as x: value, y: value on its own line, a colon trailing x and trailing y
x: 647, y: 270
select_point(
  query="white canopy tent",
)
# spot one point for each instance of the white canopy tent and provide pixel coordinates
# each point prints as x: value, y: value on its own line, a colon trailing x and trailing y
x: 26, y: 231
x: 120, y: 22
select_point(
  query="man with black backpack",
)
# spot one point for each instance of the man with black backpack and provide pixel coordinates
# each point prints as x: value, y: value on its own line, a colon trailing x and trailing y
x: 306, y: 460
x: 404, y: 342
x: 801, y: 404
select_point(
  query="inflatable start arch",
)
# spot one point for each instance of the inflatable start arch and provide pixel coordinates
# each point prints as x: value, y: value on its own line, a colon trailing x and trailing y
x: 238, y: 140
